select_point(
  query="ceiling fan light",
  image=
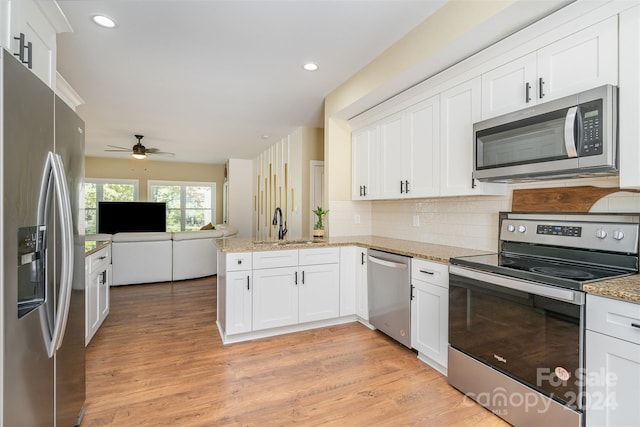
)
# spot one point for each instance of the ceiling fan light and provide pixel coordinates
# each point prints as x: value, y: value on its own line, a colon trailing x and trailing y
x: 138, y: 156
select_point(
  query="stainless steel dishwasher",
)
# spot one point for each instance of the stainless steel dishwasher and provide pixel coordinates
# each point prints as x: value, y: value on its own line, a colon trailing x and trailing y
x: 390, y: 294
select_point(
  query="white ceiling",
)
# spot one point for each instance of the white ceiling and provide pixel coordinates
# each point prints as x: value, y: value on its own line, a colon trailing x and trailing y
x: 207, y: 79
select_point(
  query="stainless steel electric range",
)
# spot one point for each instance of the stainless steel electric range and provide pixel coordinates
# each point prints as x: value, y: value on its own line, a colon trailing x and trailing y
x: 516, y: 317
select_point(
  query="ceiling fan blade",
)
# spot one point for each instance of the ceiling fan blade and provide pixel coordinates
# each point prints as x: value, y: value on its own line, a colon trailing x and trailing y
x: 163, y: 153
x: 118, y: 151
x: 120, y: 148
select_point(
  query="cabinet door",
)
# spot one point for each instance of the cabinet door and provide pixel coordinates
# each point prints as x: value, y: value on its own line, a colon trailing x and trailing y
x: 238, y: 302
x: 104, y: 281
x: 460, y: 109
x: 429, y: 321
x: 27, y: 18
x: 365, y: 164
x: 613, y: 379
x: 421, y: 152
x: 94, y: 311
x: 392, y: 147
x: 629, y: 125
x: 362, y: 294
x: 581, y: 61
x: 89, y: 299
x: 348, y: 280
x: 510, y: 87
x: 275, y: 297
x: 319, y: 292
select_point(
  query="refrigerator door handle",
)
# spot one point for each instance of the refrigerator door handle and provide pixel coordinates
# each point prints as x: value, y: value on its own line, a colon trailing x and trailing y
x: 54, y: 173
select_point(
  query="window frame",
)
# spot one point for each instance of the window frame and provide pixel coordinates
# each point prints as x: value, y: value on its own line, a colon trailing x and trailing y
x: 100, y: 182
x: 183, y: 185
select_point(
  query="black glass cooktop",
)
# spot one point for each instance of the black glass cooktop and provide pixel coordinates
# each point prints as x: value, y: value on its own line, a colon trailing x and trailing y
x: 553, y: 272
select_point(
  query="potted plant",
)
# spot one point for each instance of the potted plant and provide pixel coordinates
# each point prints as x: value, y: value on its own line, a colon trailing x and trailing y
x: 318, y: 229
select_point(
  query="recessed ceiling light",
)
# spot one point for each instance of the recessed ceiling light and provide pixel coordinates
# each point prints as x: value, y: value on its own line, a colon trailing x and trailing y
x: 104, y: 21
x: 310, y: 66
x: 265, y: 136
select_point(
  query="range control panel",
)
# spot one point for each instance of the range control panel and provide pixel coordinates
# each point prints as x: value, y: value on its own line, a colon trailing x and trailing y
x: 560, y: 230
x: 602, y: 236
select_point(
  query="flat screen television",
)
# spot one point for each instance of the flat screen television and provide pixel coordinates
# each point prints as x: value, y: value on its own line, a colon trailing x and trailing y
x: 116, y: 217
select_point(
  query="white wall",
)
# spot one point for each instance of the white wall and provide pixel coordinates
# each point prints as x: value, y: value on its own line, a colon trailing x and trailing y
x: 469, y: 222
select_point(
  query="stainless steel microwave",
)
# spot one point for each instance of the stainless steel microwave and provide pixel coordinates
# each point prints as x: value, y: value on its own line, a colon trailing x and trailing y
x: 570, y: 137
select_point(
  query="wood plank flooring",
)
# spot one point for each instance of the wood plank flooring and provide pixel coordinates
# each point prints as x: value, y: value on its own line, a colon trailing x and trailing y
x: 158, y: 361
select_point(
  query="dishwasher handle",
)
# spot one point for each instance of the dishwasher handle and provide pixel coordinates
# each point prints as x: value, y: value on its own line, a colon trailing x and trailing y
x: 387, y: 263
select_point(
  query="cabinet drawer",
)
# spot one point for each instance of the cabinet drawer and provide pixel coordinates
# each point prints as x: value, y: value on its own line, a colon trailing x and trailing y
x: 239, y: 261
x: 100, y: 259
x: 278, y: 258
x: 430, y: 272
x: 319, y: 256
x: 615, y: 318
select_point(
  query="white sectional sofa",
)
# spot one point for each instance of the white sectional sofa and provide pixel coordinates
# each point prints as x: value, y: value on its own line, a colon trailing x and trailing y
x: 162, y: 257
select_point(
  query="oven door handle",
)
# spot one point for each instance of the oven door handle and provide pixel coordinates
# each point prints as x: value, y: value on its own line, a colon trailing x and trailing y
x: 520, y: 285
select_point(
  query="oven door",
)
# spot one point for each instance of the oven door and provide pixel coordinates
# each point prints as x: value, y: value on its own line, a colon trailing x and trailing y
x: 530, y: 332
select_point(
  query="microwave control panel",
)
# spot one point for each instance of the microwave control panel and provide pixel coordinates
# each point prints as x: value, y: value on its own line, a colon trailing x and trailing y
x: 591, y: 144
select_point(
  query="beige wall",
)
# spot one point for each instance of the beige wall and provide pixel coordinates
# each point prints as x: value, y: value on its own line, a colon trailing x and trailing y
x: 446, y: 25
x: 145, y: 170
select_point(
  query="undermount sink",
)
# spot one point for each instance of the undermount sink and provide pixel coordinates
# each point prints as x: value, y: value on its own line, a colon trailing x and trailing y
x: 286, y: 242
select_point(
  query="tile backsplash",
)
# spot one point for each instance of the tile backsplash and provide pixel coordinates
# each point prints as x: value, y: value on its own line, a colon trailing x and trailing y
x: 470, y: 222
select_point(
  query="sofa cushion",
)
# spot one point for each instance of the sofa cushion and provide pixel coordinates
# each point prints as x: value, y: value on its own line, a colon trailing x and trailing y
x: 100, y: 237
x: 141, y: 261
x: 202, y: 234
x: 147, y: 236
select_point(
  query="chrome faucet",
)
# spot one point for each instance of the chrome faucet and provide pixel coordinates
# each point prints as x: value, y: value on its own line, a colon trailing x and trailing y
x: 282, y: 231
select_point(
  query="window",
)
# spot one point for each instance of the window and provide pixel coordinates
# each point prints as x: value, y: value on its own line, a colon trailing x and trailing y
x: 108, y: 190
x: 190, y: 205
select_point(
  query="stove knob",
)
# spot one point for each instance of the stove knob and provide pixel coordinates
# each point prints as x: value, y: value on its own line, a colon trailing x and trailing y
x: 522, y: 229
x: 511, y: 228
x: 618, y: 235
x: 600, y: 233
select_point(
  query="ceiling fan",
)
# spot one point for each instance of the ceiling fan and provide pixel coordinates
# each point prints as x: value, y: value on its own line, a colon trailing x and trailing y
x: 139, y: 151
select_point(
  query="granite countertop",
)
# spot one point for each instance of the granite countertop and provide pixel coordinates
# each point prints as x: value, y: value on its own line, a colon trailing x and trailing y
x: 93, y: 246
x: 625, y: 288
x: 433, y: 252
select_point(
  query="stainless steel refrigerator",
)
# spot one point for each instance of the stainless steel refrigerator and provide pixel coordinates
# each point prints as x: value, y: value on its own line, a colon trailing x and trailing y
x: 43, y: 358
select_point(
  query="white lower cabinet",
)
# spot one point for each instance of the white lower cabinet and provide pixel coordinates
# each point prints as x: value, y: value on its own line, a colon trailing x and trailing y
x: 275, y: 297
x: 429, y: 312
x: 362, y: 293
x: 266, y: 290
x: 97, y: 282
x: 353, y: 282
x: 612, y: 362
x: 239, y: 298
x: 318, y: 292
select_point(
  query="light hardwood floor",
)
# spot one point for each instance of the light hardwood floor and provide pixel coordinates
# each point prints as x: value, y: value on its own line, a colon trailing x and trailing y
x: 158, y: 361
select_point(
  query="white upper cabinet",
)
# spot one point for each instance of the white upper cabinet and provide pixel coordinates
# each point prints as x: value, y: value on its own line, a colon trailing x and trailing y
x: 392, y: 144
x: 509, y: 87
x: 629, y: 100
x: 460, y: 109
x: 581, y: 61
x: 584, y: 60
x: 29, y: 31
x: 410, y: 146
x: 422, y: 153
x: 365, y: 159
